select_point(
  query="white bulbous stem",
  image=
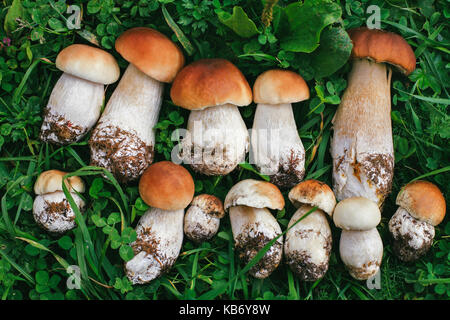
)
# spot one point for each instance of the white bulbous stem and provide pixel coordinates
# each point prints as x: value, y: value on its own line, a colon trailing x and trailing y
x: 124, y: 139
x: 158, y: 244
x: 200, y: 226
x: 277, y: 149
x: 73, y: 109
x: 362, y: 146
x: 218, y: 140
x: 252, y: 229
x: 307, y: 246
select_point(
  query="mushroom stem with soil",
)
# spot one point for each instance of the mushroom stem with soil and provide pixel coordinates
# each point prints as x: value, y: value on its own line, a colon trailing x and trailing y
x: 362, y: 146
x: 76, y: 99
x: 168, y: 188
x: 253, y: 225
x: 124, y: 139
x: 277, y: 149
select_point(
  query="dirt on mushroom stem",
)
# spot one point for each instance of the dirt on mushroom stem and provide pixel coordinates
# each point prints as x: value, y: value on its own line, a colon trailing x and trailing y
x: 57, y: 129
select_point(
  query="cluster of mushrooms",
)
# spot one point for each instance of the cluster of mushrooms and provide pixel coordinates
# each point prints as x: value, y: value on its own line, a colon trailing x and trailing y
x: 123, y: 139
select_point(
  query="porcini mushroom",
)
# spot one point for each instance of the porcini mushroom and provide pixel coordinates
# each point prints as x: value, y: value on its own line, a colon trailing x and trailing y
x: 277, y: 149
x: 212, y: 89
x: 360, y: 245
x: 123, y: 141
x: 202, y: 218
x: 51, y: 209
x: 307, y: 246
x: 168, y: 188
x: 421, y: 208
x: 362, y: 147
x: 75, y: 102
x: 253, y: 225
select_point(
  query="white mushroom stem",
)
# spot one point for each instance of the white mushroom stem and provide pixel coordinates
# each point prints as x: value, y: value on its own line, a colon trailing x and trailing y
x: 218, y: 140
x: 362, y: 147
x: 72, y: 110
x: 277, y: 149
x: 158, y: 244
x: 53, y: 212
x: 252, y: 229
x: 361, y: 252
x: 307, y: 246
x: 123, y: 141
x: 200, y: 226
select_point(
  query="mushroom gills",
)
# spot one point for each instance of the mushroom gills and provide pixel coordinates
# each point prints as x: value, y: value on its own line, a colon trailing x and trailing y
x: 72, y: 110
x: 158, y: 244
x: 253, y: 228
x: 308, y: 244
x: 218, y: 140
x: 123, y: 141
x: 362, y: 146
x: 276, y: 146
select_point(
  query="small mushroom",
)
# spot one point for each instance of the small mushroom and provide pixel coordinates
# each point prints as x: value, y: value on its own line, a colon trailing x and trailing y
x: 421, y: 207
x: 362, y: 147
x: 218, y: 139
x: 277, y: 149
x: 202, y: 219
x: 307, y: 246
x: 51, y: 209
x: 360, y: 246
x: 168, y: 188
x: 253, y: 225
x: 77, y: 98
x: 123, y: 140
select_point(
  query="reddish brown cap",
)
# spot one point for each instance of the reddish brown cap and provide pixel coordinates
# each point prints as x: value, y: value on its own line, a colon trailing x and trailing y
x: 280, y: 86
x: 383, y: 46
x: 151, y: 52
x: 209, y: 204
x: 210, y: 82
x: 314, y: 193
x: 423, y: 200
x: 167, y: 186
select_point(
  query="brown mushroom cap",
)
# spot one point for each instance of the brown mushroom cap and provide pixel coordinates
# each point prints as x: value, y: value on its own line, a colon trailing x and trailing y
x: 167, y: 186
x: 51, y: 180
x: 209, y: 204
x: 423, y: 200
x: 383, y: 46
x: 88, y: 63
x: 314, y: 193
x: 151, y: 52
x: 279, y: 86
x: 210, y: 82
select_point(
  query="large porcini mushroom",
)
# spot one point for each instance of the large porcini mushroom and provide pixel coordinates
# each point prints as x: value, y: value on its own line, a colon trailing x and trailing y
x: 360, y: 245
x: 421, y: 207
x: 76, y: 100
x: 277, y: 149
x: 168, y: 188
x: 253, y: 225
x: 123, y: 140
x: 362, y: 147
x: 218, y: 139
x: 307, y: 246
x: 51, y: 209
x: 202, y: 218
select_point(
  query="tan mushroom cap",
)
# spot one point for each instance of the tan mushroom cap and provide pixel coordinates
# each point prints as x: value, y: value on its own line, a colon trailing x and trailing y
x: 209, y: 204
x: 280, y: 86
x: 356, y: 213
x: 51, y: 181
x: 151, y: 52
x: 167, y: 186
x: 423, y: 200
x: 315, y: 193
x: 88, y: 63
x: 208, y: 83
x: 256, y: 194
x: 382, y: 46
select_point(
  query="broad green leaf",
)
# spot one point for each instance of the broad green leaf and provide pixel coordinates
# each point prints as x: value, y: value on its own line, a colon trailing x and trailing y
x: 14, y: 12
x: 239, y: 22
x: 306, y: 21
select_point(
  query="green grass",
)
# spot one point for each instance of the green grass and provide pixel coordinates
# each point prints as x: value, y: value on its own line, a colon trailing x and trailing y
x: 33, y: 263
